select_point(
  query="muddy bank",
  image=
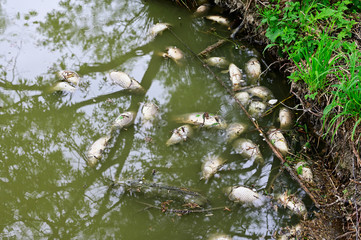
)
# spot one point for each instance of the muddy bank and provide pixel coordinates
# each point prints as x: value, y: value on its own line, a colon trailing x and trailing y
x: 335, y: 163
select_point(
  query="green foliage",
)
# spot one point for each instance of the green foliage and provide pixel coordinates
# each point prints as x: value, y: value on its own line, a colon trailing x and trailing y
x: 300, y: 170
x: 313, y: 33
x: 314, y: 69
x: 348, y: 93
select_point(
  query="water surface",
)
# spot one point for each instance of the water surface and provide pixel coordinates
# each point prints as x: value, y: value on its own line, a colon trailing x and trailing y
x: 47, y: 189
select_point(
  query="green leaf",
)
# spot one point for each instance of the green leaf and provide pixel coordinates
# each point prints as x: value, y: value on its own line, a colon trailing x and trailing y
x: 312, y: 96
x: 300, y: 170
x: 325, y: 13
x: 273, y: 35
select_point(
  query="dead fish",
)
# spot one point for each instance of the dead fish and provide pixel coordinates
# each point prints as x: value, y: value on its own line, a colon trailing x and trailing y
x: 180, y: 134
x: 253, y: 69
x: 293, y: 203
x: 174, y: 53
x: 256, y: 108
x: 236, y: 77
x: 261, y: 92
x: 202, y: 10
x: 96, y: 150
x: 149, y: 189
x: 219, y: 236
x: 286, y: 118
x: 248, y: 149
x: 149, y: 111
x: 243, y: 97
x: 220, y: 62
x: 278, y: 140
x: 126, y: 82
x: 210, y: 166
x: 218, y: 19
x: 304, y: 172
x: 203, y: 119
x: 123, y: 120
x: 159, y: 28
x: 234, y: 130
x: 245, y: 195
x: 69, y: 76
x: 62, y: 86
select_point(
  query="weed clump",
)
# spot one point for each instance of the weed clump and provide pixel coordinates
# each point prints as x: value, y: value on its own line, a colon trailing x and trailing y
x: 316, y: 36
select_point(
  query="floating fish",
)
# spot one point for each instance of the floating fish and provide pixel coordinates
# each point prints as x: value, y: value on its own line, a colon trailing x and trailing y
x: 304, y: 172
x: 126, y: 82
x: 174, y: 53
x: 148, y: 189
x: 278, y: 140
x: 253, y: 69
x: 149, y: 111
x: 219, y: 236
x: 285, y: 118
x: 210, y: 166
x: 180, y: 134
x: 62, y: 86
x: 261, y: 92
x: 234, y: 130
x: 293, y: 203
x: 203, y: 119
x: 236, y: 77
x: 96, y: 150
x: 245, y: 195
x: 218, y: 19
x: 220, y: 62
x: 159, y: 28
x: 202, y: 10
x: 243, y: 97
x: 257, y: 108
x: 123, y: 120
x: 69, y: 76
x: 248, y: 149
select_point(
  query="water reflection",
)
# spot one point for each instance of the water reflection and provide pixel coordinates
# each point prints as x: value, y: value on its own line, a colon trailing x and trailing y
x: 47, y: 189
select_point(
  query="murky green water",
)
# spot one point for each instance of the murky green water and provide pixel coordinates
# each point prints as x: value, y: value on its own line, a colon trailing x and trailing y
x: 47, y: 189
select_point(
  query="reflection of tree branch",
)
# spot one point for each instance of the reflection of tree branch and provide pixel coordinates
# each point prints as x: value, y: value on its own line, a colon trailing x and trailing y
x: 101, y: 67
x: 20, y: 87
x: 97, y: 99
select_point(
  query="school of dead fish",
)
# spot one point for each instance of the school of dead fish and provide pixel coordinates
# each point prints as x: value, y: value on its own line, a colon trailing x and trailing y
x: 256, y: 98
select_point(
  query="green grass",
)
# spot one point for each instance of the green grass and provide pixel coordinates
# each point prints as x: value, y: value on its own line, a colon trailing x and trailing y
x: 313, y: 34
x: 348, y: 91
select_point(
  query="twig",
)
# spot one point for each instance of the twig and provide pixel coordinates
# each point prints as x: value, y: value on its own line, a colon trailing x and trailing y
x: 268, y: 68
x: 344, y: 235
x: 271, y: 109
x: 351, y: 180
x: 235, y: 31
x: 182, y: 211
x: 212, y: 47
x: 254, y: 122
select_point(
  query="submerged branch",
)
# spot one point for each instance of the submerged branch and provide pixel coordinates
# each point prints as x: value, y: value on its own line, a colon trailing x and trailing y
x: 182, y: 211
x: 212, y: 47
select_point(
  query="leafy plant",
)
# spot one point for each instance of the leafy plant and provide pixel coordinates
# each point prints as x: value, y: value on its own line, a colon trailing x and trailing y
x: 313, y: 33
x: 348, y: 91
x: 313, y: 70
